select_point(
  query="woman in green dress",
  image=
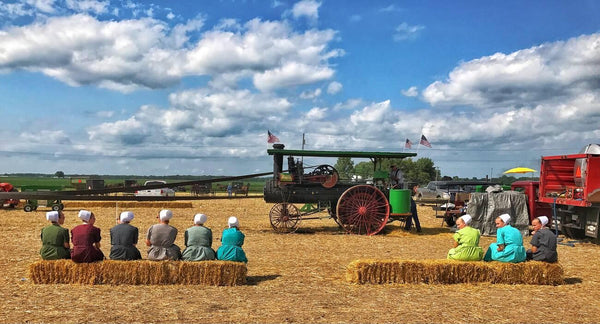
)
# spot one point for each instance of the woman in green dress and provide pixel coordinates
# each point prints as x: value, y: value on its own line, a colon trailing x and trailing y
x: 466, y: 241
x: 509, y: 243
x: 55, y: 239
x: 198, y: 241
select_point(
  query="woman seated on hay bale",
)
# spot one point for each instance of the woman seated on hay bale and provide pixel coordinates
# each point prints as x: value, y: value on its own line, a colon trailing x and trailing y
x: 509, y: 243
x: 231, y: 243
x: 466, y: 241
x: 86, y: 240
x: 123, y: 239
x: 161, y: 239
x: 198, y: 241
x: 55, y: 239
x: 543, y: 242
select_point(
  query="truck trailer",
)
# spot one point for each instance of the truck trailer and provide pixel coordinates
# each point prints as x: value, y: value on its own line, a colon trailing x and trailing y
x: 569, y: 187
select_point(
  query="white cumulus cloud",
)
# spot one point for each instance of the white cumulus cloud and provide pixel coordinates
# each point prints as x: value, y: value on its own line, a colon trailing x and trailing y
x: 334, y: 87
x: 306, y: 8
x: 410, y: 92
x: 549, y: 72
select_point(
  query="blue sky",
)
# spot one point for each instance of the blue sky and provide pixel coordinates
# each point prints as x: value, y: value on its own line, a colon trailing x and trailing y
x: 191, y: 87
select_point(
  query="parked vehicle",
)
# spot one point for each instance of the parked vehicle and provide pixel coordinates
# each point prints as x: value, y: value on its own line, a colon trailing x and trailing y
x: 447, y: 189
x: 7, y: 187
x: 161, y: 192
x: 569, y: 185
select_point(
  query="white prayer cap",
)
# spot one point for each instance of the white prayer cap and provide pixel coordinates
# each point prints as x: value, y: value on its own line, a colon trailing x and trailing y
x: 200, y: 219
x: 466, y: 218
x: 126, y: 216
x: 505, y: 218
x: 165, y: 215
x: 52, y: 216
x: 233, y: 222
x: 543, y: 220
x: 85, y: 215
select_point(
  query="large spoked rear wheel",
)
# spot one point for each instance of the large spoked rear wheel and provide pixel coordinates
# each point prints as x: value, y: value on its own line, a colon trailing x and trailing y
x: 284, y: 217
x: 363, y: 210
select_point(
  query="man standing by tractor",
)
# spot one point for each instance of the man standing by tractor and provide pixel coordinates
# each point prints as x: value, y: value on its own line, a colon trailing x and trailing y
x: 396, y: 177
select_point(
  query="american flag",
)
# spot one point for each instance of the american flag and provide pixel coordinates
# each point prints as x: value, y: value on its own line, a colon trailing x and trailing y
x: 424, y: 141
x: 408, y: 144
x: 271, y: 138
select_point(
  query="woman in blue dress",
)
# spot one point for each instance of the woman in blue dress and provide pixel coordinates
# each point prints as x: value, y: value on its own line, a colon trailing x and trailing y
x: 509, y: 243
x: 231, y: 243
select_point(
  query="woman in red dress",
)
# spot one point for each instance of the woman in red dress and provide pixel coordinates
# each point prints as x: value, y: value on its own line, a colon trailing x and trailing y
x: 86, y: 240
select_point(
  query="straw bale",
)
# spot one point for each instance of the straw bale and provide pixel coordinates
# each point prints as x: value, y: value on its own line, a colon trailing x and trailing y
x: 452, y: 272
x: 142, y: 272
x: 129, y: 204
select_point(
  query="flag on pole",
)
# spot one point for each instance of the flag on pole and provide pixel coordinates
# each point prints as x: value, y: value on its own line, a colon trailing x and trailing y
x: 271, y: 138
x: 408, y: 144
x: 424, y: 141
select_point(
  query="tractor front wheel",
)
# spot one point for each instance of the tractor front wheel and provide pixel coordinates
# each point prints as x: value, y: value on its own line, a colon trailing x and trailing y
x: 28, y: 208
x: 284, y: 217
x: 363, y: 209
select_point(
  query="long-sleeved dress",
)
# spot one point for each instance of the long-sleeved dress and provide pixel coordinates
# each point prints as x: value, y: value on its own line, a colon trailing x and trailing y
x: 231, y: 246
x: 545, y: 241
x: 468, y: 248
x: 162, y: 240
x: 54, y: 238
x: 198, y: 242
x: 513, y: 252
x: 84, y: 236
x: 122, y: 240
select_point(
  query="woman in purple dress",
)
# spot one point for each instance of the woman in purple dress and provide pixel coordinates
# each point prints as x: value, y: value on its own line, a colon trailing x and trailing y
x: 86, y: 240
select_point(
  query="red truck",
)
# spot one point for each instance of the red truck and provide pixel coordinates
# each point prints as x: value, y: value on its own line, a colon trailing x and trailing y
x: 571, y: 185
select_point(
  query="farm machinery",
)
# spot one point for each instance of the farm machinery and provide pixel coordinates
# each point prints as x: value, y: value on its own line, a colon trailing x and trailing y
x: 7, y: 187
x: 569, y: 188
x: 359, y: 208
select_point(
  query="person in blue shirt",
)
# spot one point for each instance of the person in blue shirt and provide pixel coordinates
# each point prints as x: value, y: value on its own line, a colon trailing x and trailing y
x: 509, y: 243
x: 231, y: 243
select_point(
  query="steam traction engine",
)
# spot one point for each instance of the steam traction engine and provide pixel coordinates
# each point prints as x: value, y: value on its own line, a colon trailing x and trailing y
x: 358, y: 208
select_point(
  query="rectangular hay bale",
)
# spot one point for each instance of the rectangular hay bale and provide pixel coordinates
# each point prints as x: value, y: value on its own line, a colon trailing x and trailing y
x: 141, y: 272
x: 371, y: 271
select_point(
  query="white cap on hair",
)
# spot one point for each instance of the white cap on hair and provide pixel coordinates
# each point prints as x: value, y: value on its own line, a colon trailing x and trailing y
x: 505, y: 218
x: 126, y: 216
x: 52, y: 216
x: 200, y: 219
x: 85, y: 215
x: 466, y: 218
x: 543, y: 220
x: 165, y: 215
x: 233, y: 222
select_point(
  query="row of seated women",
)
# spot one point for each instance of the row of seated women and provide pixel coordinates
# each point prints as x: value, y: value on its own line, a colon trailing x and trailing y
x: 509, y: 242
x: 160, y: 239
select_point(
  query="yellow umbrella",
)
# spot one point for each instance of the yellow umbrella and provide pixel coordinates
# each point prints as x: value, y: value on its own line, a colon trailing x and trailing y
x: 519, y: 170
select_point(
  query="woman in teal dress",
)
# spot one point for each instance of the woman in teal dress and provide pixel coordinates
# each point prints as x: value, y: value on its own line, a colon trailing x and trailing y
x: 231, y: 243
x: 509, y: 243
x: 198, y: 241
x: 466, y: 241
x: 55, y: 239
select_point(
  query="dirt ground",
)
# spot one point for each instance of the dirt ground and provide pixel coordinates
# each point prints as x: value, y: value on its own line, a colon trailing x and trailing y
x: 291, y: 277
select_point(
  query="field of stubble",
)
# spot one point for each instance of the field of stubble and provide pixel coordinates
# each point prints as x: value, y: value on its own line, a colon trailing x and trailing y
x: 291, y: 278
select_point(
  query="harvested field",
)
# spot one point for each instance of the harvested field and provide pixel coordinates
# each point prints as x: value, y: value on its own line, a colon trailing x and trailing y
x: 291, y: 277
